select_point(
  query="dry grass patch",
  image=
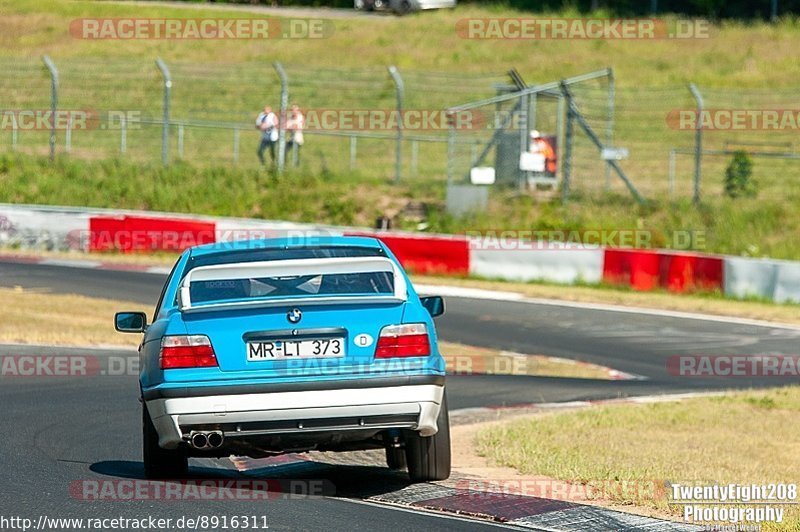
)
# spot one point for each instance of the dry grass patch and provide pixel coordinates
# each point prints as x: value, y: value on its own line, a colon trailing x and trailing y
x: 37, y: 317
x: 465, y: 360
x: 138, y: 259
x: 708, y: 304
x: 743, y: 437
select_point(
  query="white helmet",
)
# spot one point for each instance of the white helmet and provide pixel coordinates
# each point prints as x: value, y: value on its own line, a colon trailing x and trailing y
x: 535, y: 134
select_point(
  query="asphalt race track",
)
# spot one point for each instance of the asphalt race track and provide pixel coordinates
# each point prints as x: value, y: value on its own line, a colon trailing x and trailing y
x: 639, y: 344
x: 61, y: 430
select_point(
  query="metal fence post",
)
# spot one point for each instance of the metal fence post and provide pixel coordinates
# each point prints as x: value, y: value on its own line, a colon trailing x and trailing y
x: 353, y: 152
x: 568, y: 138
x: 400, y: 89
x: 560, y: 140
x: 671, y: 180
x: 14, y: 139
x: 282, y: 118
x: 523, y: 138
x: 162, y: 66
x: 68, y: 136
x: 612, y: 91
x: 451, y: 148
x: 236, y: 145
x: 414, y: 156
x: 180, y: 141
x: 53, y: 102
x: 123, y: 135
x: 698, y: 141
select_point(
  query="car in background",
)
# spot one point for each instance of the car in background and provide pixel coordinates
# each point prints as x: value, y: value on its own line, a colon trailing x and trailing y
x: 264, y: 347
x: 401, y: 7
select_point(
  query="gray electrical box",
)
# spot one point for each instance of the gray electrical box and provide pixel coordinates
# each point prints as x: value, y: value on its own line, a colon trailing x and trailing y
x: 462, y: 199
x: 506, y: 162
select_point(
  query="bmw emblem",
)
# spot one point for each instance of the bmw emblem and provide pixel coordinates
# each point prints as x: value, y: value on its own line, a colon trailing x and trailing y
x: 294, y: 315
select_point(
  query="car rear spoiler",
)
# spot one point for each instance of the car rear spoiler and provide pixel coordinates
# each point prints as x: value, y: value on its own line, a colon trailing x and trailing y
x: 292, y: 268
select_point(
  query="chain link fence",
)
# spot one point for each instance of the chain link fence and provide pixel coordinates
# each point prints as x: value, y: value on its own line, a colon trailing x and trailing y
x: 574, y: 116
x: 653, y: 132
x: 212, y: 108
x: 762, y: 122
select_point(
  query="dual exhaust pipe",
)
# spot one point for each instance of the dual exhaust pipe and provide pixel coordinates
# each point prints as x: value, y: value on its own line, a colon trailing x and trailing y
x: 206, y: 440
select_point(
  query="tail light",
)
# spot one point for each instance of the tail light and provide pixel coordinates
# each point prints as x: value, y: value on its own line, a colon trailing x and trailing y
x: 193, y: 351
x: 410, y: 340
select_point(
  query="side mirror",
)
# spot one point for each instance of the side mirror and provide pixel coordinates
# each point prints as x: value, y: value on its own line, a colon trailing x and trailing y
x: 434, y: 305
x: 130, y: 322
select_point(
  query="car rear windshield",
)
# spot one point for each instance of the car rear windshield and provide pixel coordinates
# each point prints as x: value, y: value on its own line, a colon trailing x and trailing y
x: 370, y: 283
x: 269, y: 254
x: 333, y: 284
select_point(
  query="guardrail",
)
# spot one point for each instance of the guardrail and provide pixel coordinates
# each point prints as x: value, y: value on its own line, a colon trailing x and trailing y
x: 44, y: 227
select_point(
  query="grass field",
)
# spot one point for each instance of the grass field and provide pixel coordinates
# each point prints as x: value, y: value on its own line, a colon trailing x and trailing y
x: 737, y: 54
x: 716, y: 440
x: 740, y: 65
x: 746, y: 227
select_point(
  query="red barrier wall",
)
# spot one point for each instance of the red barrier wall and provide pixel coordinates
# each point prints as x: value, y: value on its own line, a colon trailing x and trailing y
x: 636, y: 268
x: 640, y: 269
x: 421, y: 254
x: 142, y: 233
x: 677, y: 272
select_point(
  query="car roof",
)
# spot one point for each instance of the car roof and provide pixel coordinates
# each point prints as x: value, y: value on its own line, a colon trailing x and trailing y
x: 301, y: 241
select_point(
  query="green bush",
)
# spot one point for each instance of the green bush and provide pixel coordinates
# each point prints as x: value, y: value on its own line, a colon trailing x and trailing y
x: 738, y: 176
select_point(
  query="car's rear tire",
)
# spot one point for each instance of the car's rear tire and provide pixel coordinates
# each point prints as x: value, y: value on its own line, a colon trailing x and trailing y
x: 429, y: 457
x: 160, y: 463
x: 396, y: 458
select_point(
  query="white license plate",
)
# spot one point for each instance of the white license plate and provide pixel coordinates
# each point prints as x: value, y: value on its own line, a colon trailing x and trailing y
x: 283, y: 349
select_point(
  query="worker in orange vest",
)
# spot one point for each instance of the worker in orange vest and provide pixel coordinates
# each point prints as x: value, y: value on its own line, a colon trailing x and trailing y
x: 539, y: 145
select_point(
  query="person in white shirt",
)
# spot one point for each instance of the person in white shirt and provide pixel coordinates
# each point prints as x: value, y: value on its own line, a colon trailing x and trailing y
x: 294, y: 126
x: 267, y: 123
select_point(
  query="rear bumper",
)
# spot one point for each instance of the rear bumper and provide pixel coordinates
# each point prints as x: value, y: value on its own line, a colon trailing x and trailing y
x: 175, y: 390
x: 409, y: 406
